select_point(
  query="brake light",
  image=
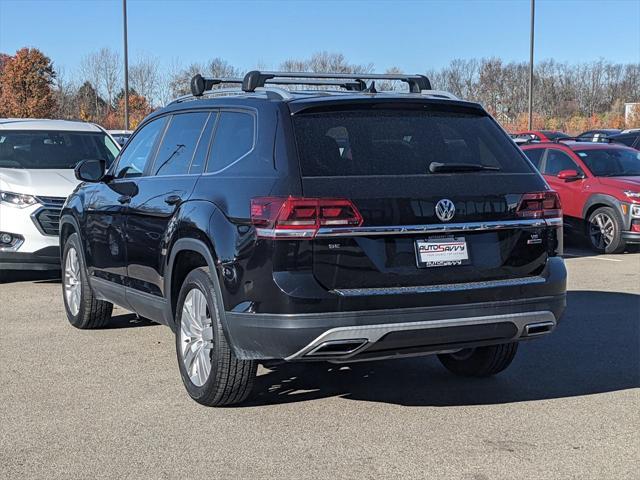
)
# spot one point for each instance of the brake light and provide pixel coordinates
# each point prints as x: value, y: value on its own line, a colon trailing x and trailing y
x: 293, y: 217
x: 539, y: 205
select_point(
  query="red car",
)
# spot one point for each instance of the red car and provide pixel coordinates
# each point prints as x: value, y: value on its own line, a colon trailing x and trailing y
x: 599, y: 187
x: 540, y: 135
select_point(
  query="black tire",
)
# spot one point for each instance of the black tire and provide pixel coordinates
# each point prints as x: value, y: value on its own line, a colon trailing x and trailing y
x: 92, y: 313
x: 617, y: 244
x: 480, y: 361
x: 230, y: 380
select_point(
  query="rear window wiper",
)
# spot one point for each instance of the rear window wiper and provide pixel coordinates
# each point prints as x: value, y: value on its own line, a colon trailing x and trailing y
x: 437, y: 167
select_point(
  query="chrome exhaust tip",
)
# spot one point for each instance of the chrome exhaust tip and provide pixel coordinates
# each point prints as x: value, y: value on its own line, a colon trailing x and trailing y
x: 538, y: 328
x: 337, y: 348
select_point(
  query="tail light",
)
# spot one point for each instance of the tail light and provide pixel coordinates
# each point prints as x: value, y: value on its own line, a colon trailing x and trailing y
x: 539, y: 205
x: 292, y: 217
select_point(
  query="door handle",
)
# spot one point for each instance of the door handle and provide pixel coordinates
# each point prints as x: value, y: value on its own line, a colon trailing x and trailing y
x: 124, y: 199
x: 172, y: 199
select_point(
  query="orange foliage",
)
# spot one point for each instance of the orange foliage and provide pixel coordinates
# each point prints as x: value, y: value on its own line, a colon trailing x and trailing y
x: 26, y: 81
x: 138, y: 109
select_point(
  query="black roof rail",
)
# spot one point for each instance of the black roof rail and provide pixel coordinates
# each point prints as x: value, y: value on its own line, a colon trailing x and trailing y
x: 256, y: 78
x: 583, y: 139
x: 199, y: 84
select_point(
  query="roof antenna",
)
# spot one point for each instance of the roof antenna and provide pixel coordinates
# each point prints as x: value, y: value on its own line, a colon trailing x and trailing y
x: 371, y: 88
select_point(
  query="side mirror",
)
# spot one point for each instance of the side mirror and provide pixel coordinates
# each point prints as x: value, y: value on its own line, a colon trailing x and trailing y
x: 90, y: 170
x: 569, y: 175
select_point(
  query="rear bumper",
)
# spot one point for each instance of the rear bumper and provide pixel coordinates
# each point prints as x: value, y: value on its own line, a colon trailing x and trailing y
x: 375, y: 334
x: 47, y: 258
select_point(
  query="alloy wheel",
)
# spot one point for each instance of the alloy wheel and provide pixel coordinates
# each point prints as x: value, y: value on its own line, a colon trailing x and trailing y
x: 196, y: 337
x: 602, y: 231
x: 72, y: 285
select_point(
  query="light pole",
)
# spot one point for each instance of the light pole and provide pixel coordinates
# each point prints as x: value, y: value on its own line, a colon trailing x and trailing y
x: 533, y: 15
x: 126, y: 67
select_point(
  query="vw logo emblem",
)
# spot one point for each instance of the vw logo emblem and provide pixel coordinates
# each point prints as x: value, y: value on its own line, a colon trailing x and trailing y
x: 445, y: 210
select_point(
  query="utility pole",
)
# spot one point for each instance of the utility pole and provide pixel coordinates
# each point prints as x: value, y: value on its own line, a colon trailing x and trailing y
x: 126, y: 67
x: 533, y: 15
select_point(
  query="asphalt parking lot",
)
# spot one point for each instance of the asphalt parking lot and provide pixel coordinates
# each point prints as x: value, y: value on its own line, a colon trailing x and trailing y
x: 110, y: 403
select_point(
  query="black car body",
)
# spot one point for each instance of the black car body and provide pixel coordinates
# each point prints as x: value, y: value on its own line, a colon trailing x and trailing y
x: 317, y: 214
x: 629, y: 138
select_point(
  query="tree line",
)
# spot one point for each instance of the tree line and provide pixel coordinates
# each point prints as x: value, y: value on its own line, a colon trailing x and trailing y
x: 570, y: 97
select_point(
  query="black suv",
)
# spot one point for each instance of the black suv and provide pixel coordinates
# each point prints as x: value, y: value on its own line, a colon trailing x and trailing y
x: 317, y: 225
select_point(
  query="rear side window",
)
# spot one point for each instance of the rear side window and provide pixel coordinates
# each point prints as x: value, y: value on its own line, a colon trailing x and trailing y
x: 535, y: 155
x: 400, y: 142
x: 179, y: 143
x: 558, y: 161
x: 627, y: 140
x: 234, y: 138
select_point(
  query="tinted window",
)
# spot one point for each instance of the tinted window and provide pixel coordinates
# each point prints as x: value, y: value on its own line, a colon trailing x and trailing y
x: 612, y: 162
x: 179, y: 143
x: 200, y: 157
x: 400, y: 142
x: 53, y: 149
x: 233, y: 139
x: 134, y: 157
x: 628, y: 140
x: 535, y: 156
x: 553, y: 135
x: 558, y: 161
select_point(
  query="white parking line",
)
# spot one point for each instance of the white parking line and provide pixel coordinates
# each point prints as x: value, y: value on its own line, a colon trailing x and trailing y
x: 592, y: 258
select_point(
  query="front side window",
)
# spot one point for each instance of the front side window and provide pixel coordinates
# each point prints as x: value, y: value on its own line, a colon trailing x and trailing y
x: 42, y: 149
x: 233, y: 139
x: 135, y: 156
x: 558, y: 161
x: 609, y: 162
x: 401, y: 142
x: 178, y: 144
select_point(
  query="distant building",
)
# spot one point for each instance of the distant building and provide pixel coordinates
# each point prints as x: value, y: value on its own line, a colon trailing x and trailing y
x: 632, y: 114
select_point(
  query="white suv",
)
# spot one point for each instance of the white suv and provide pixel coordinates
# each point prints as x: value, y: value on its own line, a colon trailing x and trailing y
x: 37, y: 158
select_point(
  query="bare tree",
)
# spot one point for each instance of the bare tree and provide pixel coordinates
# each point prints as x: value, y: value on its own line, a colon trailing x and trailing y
x: 103, y: 70
x: 144, y: 77
x: 90, y: 72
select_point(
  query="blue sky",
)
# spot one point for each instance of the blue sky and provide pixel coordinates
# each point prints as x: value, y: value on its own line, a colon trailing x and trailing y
x: 413, y: 35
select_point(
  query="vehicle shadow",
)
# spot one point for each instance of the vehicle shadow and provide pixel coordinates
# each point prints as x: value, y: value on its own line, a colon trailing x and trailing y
x: 595, y: 349
x: 128, y: 320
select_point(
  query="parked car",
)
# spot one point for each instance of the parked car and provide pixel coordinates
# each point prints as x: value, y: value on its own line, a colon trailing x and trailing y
x: 599, y: 134
x: 37, y: 158
x: 599, y: 187
x: 120, y: 136
x: 630, y: 138
x: 262, y: 224
x: 540, y: 135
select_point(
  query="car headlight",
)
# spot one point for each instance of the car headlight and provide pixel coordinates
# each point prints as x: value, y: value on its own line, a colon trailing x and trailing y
x: 632, y: 194
x: 635, y: 210
x: 19, y: 200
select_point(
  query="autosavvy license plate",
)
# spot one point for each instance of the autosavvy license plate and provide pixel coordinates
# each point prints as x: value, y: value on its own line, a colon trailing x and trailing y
x: 442, y: 252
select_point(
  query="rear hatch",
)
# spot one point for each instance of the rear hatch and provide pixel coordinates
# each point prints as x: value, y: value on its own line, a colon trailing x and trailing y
x: 438, y: 186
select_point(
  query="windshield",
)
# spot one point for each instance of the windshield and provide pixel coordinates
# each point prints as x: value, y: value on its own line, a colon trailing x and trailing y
x: 53, y: 149
x: 611, y: 162
x: 403, y: 142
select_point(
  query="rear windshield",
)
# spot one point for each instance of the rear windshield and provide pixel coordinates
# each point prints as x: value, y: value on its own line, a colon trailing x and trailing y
x: 400, y: 142
x: 554, y: 135
x: 53, y: 149
x: 618, y: 162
